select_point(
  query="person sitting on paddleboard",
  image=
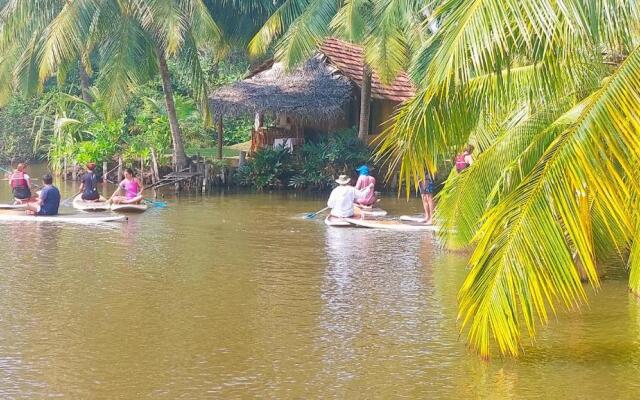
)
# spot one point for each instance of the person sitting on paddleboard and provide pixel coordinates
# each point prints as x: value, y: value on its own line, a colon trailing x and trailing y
x: 464, y: 159
x: 89, y: 184
x: 344, y: 196
x: 49, y: 200
x: 365, y: 180
x: 20, y: 184
x: 131, y: 187
x: 427, y: 190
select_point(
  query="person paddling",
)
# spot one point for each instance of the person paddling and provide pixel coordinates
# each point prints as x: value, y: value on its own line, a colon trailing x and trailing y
x: 20, y: 184
x: 49, y: 200
x: 131, y: 187
x: 365, y: 180
x: 464, y: 159
x: 89, y: 184
x: 344, y: 196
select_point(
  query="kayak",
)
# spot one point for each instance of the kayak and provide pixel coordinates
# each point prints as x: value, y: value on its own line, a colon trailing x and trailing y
x: 88, y: 205
x: 129, y: 208
x: 66, y: 218
x: 337, y: 222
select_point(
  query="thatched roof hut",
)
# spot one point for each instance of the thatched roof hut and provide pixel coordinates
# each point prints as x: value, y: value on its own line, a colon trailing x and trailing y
x: 313, y: 92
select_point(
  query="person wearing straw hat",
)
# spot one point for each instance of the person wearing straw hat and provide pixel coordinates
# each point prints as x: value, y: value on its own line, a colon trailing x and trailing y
x: 89, y: 185
x: 363, y: 181
x: 344, y: 196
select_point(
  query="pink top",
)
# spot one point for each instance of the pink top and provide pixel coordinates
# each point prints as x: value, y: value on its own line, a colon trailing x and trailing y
x: 363, y: 182
x: 131, y: 188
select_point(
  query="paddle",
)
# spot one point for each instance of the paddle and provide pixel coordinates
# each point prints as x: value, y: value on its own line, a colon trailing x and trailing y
x: 313, y: 215
x: 67, y: 200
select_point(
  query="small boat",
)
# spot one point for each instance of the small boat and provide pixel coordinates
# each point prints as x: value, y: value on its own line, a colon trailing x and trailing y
x: 336, y: 221
x: 129, y: 208
x: 89, y: 205
x: 393, y: 225
x: 63, y: 218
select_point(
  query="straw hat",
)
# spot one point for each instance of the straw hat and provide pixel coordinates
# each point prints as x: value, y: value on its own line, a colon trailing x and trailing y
x: 343, y: 180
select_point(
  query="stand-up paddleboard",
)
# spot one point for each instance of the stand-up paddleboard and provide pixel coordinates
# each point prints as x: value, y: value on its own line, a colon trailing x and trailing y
x: 13, y: 206
x: 337, y: 222
x: 392, y: 225
x: 88, y: 205
x: 372, y: 212
x: 129, y: 208
x: 417, y: 219
x: 61, y: 218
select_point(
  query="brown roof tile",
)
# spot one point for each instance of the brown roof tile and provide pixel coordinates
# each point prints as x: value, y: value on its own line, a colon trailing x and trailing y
x: 348, y: 57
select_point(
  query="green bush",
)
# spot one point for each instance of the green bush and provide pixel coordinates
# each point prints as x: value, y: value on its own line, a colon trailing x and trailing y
x: 269, y: 168
x: 315, y: 166
x: 318, y: 164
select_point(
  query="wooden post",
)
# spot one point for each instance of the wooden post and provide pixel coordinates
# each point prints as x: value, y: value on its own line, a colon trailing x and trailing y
x: 154, y: 164
x: 205, y: 178
x: 242, y: 160
x: 74, y: 171
x: 105, y: 169
x: 120, y: 171
x: 64, y: 169
x: 220, y: 137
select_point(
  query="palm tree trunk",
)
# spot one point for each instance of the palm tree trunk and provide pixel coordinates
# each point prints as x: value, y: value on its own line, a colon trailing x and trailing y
x: 179, y: 156
x: 85, y: 82
x: 365, y: 104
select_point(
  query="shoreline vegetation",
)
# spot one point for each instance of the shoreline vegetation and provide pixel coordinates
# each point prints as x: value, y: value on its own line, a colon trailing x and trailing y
x: 547, y: 94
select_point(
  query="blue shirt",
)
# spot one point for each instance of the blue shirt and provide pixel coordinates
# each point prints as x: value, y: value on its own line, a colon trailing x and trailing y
x: 49, y: 200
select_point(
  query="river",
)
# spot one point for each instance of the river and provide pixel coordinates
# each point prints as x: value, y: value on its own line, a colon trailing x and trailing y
x: 236, y: 296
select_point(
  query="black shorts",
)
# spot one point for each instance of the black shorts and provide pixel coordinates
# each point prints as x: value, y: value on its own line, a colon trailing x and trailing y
x: 22, y: 193
x: 90, y: 196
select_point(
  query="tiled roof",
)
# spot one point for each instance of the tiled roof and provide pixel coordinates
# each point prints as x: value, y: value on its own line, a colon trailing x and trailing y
x: 347, y: 58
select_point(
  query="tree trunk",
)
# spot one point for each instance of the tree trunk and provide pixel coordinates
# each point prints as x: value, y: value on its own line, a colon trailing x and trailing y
x: 85, y: 83
x: 365, y: 104
x: 220, y: 137
x: 179, y: 156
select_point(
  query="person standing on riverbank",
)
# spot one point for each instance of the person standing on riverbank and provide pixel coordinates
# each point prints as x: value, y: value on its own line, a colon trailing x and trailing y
x: 20, y: 184
x: 49, y: 200
x: 365, y: 180
x: 343, y: 197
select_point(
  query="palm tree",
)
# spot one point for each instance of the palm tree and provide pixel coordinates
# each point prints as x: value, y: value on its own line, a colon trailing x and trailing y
x: 386, y: 28
x: 132, y: 39
x: 549, y: 94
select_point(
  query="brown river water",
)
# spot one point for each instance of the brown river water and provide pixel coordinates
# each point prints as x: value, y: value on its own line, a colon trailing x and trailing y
x: 236, y: 296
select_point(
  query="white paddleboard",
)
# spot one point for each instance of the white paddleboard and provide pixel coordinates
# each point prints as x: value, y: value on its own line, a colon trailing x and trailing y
x: 87, y: 205
x: 369, y: 211
x: 129, y: 208
x: 13, y: 206
x: 391, y: 225
x: 62, y: 218
x: 335, y: 221
x: 419, y: 219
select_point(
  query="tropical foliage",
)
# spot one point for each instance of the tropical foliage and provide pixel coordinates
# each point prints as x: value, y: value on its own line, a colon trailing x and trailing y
x: 314, y: 166
x: 548, y: 92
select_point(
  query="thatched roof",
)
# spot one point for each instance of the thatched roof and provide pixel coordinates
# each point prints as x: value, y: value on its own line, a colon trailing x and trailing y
x: 314, y: 92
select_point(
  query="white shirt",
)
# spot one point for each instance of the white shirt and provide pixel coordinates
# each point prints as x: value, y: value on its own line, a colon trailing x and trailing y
x: 342, y: 199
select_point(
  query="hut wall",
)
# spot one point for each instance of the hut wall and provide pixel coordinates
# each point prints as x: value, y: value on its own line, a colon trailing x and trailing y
x: 381, y: 113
